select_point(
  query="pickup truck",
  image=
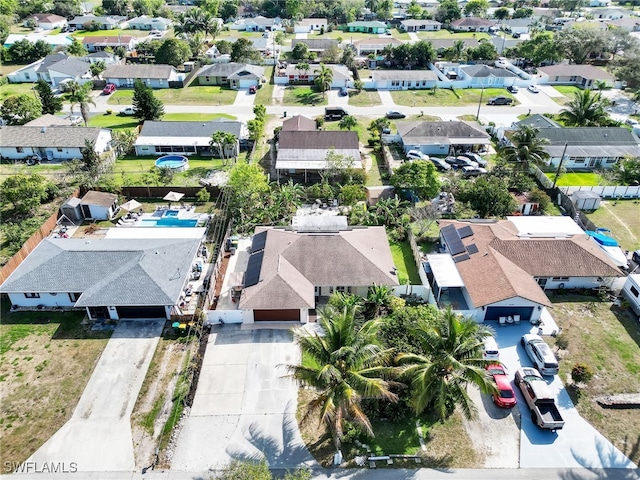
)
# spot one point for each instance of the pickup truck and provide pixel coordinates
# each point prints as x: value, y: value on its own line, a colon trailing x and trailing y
x: 535, y: 391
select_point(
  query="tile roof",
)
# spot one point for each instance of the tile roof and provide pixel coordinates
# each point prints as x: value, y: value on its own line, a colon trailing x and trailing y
x: 108, y: 272
x: 138, y: 71
x: 293, y: 264
x: 42, y: 137
x: 585, y: 71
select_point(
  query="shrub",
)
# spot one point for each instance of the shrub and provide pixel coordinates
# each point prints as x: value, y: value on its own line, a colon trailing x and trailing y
x: 203, y: 196
x: 562, y: 342
x: 108, y: 112
x: 581, y: 373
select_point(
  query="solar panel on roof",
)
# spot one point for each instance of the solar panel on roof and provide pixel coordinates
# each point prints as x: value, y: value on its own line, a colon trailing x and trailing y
x: 465, y: 231
x: 473, y: 248
x: 258, y: 242
x: 452, y: 239
x: 461, y: 258
x: 252, y: 275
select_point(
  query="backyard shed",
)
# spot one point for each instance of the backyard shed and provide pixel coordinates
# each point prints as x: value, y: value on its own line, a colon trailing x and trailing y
x: 72, y: 209
x: 586, y: 200
x: 98, y: 205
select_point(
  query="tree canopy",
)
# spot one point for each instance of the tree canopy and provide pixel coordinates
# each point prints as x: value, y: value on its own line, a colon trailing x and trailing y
x: 25, y: 192
x: 146, y: 105
x: 174, y: 52
x: 489, y: 196
x: 20, y: 109
x: 419, y: 176
x: 50, y: 103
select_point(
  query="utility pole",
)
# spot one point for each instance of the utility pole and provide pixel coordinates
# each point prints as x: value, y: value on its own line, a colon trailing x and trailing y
x: 555, y: 179
x: 479, y: 105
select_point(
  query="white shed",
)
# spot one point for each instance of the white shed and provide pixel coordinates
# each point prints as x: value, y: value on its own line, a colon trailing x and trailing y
x: 586, y: 200
x: 99, y: 205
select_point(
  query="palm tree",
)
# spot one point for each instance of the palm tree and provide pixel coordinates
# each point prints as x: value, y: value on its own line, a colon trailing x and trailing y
x: 344, y: 365
x: 229, y: 142
x: 209, y: 25
x: 217, y: 140
x: 378, y: 297
x: 458, y: 49
x: 526, y: 147
x: 587, y: 109
x: 348, y: 122
x: 452, y: 359
x: 324, y: 78
x: 79, y: 95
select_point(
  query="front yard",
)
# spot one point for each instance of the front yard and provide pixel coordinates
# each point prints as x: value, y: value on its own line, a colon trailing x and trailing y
x: 46, y: 359
x: 191, y: 95
x: 446, y: 97
x: 303, y: 96
x: 366, y: 98
x: 607, y: 338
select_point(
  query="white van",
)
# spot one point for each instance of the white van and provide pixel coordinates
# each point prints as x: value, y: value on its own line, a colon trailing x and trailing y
x: 491, y: 352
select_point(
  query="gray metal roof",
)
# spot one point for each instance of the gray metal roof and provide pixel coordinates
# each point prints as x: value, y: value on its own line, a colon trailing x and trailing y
x: 71, y: 67
x: 43, y: 137
x: 190, y: 129
x: 138, y: 71
x: 444, y: 133
x: 604, y: 136
x: 229, y: 69
x: 107, y: 272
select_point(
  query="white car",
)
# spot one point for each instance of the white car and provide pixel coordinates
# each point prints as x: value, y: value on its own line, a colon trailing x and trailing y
x: 128, y: 111
x: 533, y: 89
x: 490, y: 350
x: 416, y: 155
x: 540, y: 354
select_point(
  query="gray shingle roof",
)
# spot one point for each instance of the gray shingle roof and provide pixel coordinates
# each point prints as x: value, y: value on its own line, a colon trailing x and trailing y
x: 584, y: 71
x: 416, y: 23
x: 481, y: 71
x: 48, y: 120
x: 315, y: 43
x: 138, y: 71
x: 103, y: 199
x: 43, y: 137
x: 540, y: 121
x: 71, y: 67
x: 112, y: 20
x: 229, y: 69
x: 320, y: 139
x: 472, y: 22
x: 50, y: 60
x: 591, y: 142
x: 299, y: 123
x: 108, y: 272
x: 427, y: 133
x: 190, y: 129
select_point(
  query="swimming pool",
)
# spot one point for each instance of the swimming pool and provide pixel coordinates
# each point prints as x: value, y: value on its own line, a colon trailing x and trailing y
x: 179, y: 163
x: 168, y: 222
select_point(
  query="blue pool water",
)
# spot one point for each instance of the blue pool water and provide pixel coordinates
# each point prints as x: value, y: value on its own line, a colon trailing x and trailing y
x: 168, y: 222
x: 175, y: 162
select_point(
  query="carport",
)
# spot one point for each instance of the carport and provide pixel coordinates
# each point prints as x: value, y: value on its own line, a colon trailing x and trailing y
x: 446, y: 281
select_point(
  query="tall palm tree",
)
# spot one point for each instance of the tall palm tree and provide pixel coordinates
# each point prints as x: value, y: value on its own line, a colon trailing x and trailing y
x: 452, y: 359
x: 324, y: 78
x: 526, y: 147
x: 587, y: 109
x: 217, y: 141
x: 344, y: 365
x: 458, y: 49
x: 209, y: 25
x: 79, y: 95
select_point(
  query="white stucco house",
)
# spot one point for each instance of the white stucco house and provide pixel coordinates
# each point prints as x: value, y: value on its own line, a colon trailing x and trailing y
x: 46, y: 21
x: 308, y: 25
x: 154, y: 76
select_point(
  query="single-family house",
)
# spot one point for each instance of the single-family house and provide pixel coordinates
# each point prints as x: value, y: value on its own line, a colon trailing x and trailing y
x: 234, y: 75
x: 583, y: 76
x: 518, y: 25
x: 599, y: 3
x: 299, y: 123
x: 503, y: 42
x: 257, y: 24
x: 442, y: 138
x: 60, y: 40
x: 98, y: 44
x: 143, y: 22
x: 154, y: 76
x: 415, y: 25
x: 54, y: 143
x: 98, y: 205
x: 479, y: 76
x: 48, y: 120
x: 588, y: 148
x: 189, y: 138
x: 71, y: 69
x: 538, y: 121
x: 308, y: 25
x: 291, y: 75
x: 291, y: 270
x: 519, y: 258
x: 36, y: 70
x: 46, y: 21
x: 366, y: 27
x: 375, y: 45
x: 610, y: 13
x: 315, y: 44
x: 112, y: 279
x: 110, y: 22
x: 102, y: 56
x: 304, y: 152
x: 403, y: 79
x: 471, y: 24
x: 630, y: 24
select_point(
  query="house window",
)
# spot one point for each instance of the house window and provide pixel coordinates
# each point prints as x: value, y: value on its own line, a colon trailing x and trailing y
x: 74, y: 296
x: 32, y: 295
x: 611, y: 160
x: 560, y: 279
x: 557, y: 78
x: 19, y: 149
x: 573, y: 78
x: 206, y: 79
x: 340, y: 289
x: 26, y: 75
x: 59, y: 149
x: 634, y: 291
x: 577, y: 160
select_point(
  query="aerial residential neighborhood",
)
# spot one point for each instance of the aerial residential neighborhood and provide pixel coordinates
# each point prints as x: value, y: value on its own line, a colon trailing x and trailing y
x: 302, y: 240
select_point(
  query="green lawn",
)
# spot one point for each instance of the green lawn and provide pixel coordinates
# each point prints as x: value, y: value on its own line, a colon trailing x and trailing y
x: 7, y: 68
x: 445, y: 97
x: 580, y: 179
x: 361, y: 128
x: 301, y: 96
x: 404, y: 262
x: 621, y: 217
x: 11, y: 89
x: 440, y: 34
x: 567, y: 90
x: 115, y: 121
x: 112, y: 33
x: 129, y: 170
x: 375, y: 175
x: 264, y: 96
x: 191, y: 95
x: 366, y: 98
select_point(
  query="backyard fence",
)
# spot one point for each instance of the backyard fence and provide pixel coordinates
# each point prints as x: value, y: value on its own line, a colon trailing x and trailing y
x: 611, y: 191
x: 159, y: 192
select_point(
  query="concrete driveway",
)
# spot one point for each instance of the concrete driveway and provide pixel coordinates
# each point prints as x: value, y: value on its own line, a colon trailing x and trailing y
x: 244, y: 407
x: 578, y: 444
x: 98, y: 435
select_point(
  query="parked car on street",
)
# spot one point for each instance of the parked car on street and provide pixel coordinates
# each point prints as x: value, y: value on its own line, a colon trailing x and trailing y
x: 395, y: 115
x: 506, y: 397
x: 416, y: 155
x: 459, y: 162
x: 533, y: 89
x: 128, y: 111
x: 540, y: 354
x: 500, y: 101
x: 513, y: 89
x: 475, y: 157
x: 632, y: 122
x: 109, y: 89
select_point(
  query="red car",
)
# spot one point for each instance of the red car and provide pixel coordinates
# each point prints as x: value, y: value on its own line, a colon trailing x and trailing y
x: 109, y: 89
x: 506, y: 396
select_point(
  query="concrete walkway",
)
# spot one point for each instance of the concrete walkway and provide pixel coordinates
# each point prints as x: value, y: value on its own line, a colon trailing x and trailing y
x: 386, y: 99
x: 98, y: 435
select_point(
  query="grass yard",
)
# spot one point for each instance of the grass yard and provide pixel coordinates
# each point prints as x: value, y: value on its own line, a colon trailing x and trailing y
x: 46, y: 359
x: 568, y: 91
x: 404, y: 262
x: 622, y: 218
x: 10, y: 89
x: 191, y: 95
x: 366, y: 98
x: 377, y: 172
x: 440, y: 34
x: 7, y: 68
x: 445, y: 97
x: 264, y: 95
x: 303, y: 96
x: 115, y: 121
x: 113, y: 33
x: 130, y: 170
x: 579, y: 179
x: 607, y: 339
x: 361, y: 128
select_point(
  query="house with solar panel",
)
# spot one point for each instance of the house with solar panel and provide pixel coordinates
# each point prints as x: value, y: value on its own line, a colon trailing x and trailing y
x: 495, y: 269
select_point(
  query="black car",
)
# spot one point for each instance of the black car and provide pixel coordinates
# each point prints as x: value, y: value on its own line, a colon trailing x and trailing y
x: 513, y: 89
x: 500, y: 101
x: 395, y: 115
x: 459, y: 162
